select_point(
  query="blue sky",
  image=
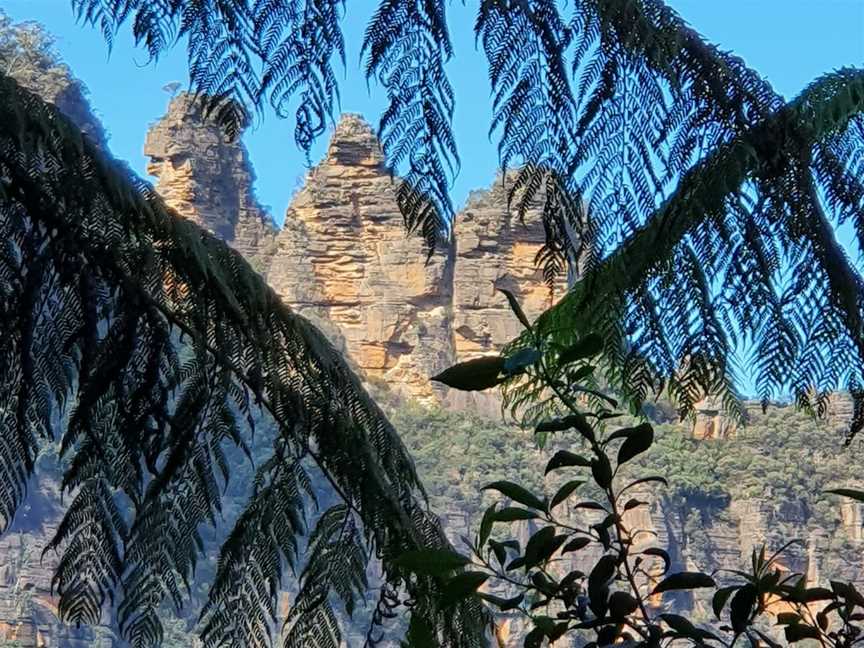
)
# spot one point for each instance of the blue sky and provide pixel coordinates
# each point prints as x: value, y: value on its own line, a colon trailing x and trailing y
x: 788, y: 41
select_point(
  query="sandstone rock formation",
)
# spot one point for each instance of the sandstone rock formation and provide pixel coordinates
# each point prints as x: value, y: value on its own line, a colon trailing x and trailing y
x: 208, y: 178
x: 344, y: 259
x: 495, y: 250
x: 710, y: 421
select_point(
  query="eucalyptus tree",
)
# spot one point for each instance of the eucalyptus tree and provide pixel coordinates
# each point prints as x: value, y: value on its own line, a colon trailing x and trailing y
x: 699, y: 203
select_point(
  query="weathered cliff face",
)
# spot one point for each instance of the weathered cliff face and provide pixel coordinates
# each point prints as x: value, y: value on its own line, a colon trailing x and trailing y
x: 343, y: 258
x: 208, y: 178
x: 495, y: 250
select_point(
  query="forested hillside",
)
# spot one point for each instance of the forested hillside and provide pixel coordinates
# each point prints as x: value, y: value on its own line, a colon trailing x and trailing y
x: 765, y: 483
x: 236, y: 409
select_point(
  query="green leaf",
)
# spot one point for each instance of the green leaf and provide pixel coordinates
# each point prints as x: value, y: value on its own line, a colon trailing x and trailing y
x: 582, y: 426
x: 517, y: 493
x: 799, y: 632
x: 585, y: 347
x: 519, y: 361
x: 848, y: 592
x: 431, y: 562
x: 684, y: 581
x: 718, y: 601
x: 660, y: 553
x: 516, y: 308
x: 514, y: 513
x: 553, y: 425
x: 542, y: 545
x: 575, y: 420
x: 576, y: 544
x: 598, y: 583
x: 788, y: 618
x: 741, y: 607
x: 621, y: 605
x: 812, y: 594
x: 486, y: 524
x: 848, y: 492
x: 534, y: 639
x: 590, y: 505
x: 601, y: 469
x: 461, y: 586
x: 685, y: 628
x: 564, y: 492
x: 501, y: 603
x: 581, y: 373
x: 543, y: 583
x: 564, y: 459
x: 474, y: 375
x: 637, y: 441
x: 500, y: 549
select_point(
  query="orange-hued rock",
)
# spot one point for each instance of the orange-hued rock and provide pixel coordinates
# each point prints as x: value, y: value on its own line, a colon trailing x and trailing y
x: 711, y: 422
x: 495, y: 250
x: 344, y: 259
x: 208, y: 178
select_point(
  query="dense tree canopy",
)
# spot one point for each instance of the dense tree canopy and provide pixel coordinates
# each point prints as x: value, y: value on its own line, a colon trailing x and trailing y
x: 699, y: 204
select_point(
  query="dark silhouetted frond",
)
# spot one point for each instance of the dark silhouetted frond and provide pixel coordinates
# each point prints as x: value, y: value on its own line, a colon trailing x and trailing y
x: 406, y: 46
x: 742, y: 253
x: 242, y: 53
x: 146, y: 345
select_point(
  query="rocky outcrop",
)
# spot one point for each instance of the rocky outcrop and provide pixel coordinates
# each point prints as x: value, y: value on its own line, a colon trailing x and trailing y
x: 494, y: 250
x: 711, y: 422
x: 344, y: 259
x: 208, y: 178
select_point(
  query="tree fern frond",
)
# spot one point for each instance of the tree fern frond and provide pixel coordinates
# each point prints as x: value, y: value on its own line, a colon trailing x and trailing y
x: 750, y: 203
x: 241, y: 54
x: 163, y: 337
x: 534, y: 109
x: 406, y: 46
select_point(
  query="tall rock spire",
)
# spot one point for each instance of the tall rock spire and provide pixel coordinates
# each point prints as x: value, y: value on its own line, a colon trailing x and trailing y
x: 208, y: 178
x: 344, y: 259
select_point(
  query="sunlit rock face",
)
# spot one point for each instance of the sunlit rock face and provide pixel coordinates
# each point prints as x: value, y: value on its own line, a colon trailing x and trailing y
x: 711, y: 422
x: 344, y: 259
x: 495, y: 250
x: 208, y: 178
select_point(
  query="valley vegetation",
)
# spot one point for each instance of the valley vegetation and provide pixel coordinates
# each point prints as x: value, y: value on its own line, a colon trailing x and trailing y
x: 681, y: 193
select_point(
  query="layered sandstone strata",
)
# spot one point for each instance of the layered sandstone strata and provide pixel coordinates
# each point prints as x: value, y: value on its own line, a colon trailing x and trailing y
x: 208, y: 178
x: 344, y: 259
